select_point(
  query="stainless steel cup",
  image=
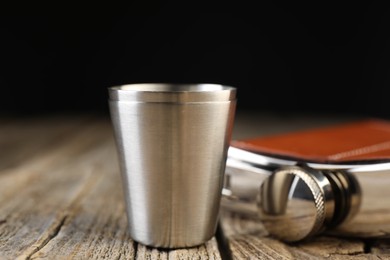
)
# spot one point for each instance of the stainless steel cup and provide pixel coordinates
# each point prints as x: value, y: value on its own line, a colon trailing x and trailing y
x: 172, y: 142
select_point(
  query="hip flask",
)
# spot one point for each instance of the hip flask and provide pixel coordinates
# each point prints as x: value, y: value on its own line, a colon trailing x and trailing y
x: 333, y: 179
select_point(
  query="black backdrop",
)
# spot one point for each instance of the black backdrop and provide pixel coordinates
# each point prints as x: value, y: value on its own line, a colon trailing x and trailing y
x: 281, y: 57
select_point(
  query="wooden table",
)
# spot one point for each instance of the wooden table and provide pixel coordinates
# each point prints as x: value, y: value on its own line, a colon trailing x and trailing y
x: 61, y: 197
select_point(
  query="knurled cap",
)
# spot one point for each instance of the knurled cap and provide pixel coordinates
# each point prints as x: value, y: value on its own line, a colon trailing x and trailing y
x: 294, y: 203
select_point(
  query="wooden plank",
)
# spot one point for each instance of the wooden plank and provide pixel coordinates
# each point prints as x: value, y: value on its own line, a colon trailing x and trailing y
x: 22, y: 140
x: 35, y: 196
x: 61, y: 151
x: 94, y: 223
x: 248, y: 239
x: 61, y: 198
x: 67, y: 203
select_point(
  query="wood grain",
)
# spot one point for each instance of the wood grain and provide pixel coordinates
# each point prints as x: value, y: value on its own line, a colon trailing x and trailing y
x: 65, y: 201
x: 249, y: 240
x: 61, y: 198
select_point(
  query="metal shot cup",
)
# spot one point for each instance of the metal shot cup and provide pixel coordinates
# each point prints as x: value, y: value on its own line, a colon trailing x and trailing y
x: 172, y: 142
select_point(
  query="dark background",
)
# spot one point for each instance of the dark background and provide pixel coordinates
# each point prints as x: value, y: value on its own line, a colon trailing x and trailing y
x: 311, y: 58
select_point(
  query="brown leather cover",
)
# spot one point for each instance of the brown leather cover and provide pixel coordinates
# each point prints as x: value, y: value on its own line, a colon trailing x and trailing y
x: 357, y: 141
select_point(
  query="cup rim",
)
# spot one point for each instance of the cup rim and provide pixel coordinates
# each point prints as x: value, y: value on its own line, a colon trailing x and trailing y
x: 172, y: 92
